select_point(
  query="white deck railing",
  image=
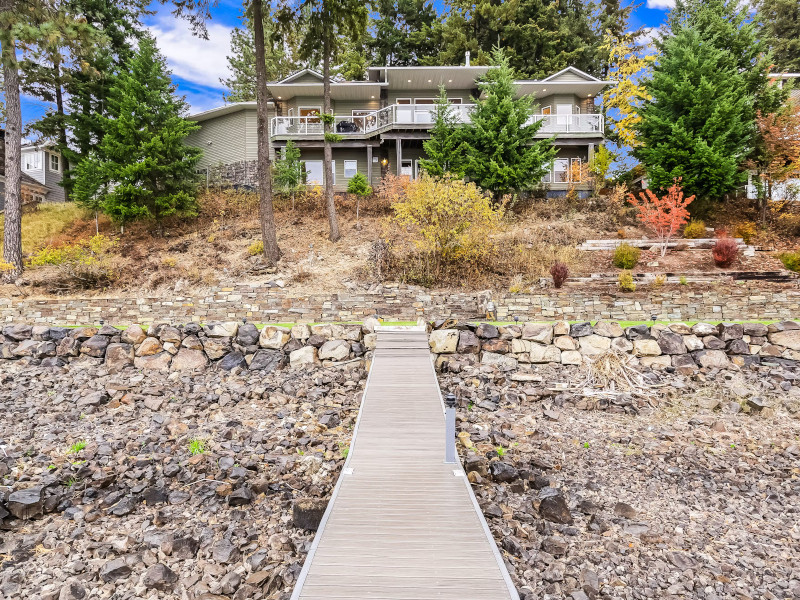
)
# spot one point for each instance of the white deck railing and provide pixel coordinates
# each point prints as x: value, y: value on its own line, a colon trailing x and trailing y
x: 418, y: 114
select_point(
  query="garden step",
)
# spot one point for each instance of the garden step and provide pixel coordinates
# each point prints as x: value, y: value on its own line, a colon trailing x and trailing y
x: 700, y: 243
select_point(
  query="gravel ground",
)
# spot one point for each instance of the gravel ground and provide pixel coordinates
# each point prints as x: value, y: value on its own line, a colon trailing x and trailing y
x: 667, y: 500
x: 134, y: 513
x: 691, y: 490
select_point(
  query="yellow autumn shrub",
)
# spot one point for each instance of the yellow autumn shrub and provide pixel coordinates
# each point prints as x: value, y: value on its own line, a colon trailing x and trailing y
x: 451, y: 220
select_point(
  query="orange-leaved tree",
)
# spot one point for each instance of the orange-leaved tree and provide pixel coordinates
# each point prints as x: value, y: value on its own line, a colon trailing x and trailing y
x: 663, y: 216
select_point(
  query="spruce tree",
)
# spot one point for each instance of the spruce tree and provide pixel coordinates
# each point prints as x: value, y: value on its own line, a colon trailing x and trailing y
x: 697, y: 126
x: 148, y: 171
x: 442, y: 149
x: 289, y: 171
x: 780, y: 20
x: 500, y: 151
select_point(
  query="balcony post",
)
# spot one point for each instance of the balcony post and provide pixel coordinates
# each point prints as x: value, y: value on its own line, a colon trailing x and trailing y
x: 399, y: 151
x: 369, y: 165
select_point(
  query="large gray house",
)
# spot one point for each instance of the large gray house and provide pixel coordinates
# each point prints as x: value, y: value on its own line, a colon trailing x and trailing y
x: 32, y: 189
x: 385, y: 119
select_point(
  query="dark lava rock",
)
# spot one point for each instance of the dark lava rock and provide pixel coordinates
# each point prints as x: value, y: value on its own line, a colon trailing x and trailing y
x: 468, y: 343
x: 671, y: 343
x: 185, y: 547
x: 154, y: 495
x: 737, y: 346
x: 240, y: 496
x: 225, y: 552
x: 713, y: 343
x: 316, y: 340
x: 580, y: 329
x: 554, y: 508
x: 247, y: 335
x: 503, y: 471
x: 266, y: 360
x: 638, y: 332
x: 730, y: 331
x: 160, y: 577
x: 114, y: 569
x: 95, y: 346
x: 487, y: 331
x: 307, y: 513
x: 624, y: 510
x: 26, y: 504
x: 232, y: 360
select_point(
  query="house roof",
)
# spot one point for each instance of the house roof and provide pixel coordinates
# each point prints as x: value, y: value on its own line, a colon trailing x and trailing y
x: 300, y: 74
x: 340, y: 90
x: 569, y: 80
x: 221, y: 110
x: 428, y: 78
x: 28, y: 182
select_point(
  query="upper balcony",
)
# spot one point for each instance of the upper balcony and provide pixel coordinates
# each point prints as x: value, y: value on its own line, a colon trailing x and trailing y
x: 416, y: 116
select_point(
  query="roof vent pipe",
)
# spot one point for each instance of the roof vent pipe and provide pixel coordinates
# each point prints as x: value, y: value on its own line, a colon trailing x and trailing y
x: 467, y: 57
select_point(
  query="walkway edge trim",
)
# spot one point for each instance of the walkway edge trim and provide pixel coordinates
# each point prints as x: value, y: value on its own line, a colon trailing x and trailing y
x: 512, y: 590
x: 298, y: 586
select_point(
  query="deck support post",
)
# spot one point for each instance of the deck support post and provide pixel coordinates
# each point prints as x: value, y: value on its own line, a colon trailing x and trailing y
x: 369, y: 165
x: 450, y: 429
x: 399, y: 152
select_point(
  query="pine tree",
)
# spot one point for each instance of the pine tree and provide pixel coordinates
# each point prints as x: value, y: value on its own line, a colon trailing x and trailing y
x: 289, y: 171
x: 280, y: 57
x: 697, y: 127
x: 442, y: 149
x: 780, y: 20
x: 325, y: 24
x: 402, y: 32
x: 148, y: 171
x: 500, y: 151
x: 539, y: 37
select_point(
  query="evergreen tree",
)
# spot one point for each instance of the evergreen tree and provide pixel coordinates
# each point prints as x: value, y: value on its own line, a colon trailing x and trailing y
x: 697, y: 126
x: 325, y: 23
x: 289, y: 171
x: 402, y: 32
x: 539, y: 37
x: 442, y: 149
x: 147, y: 170
x: 280, y: 57
x: 500, y: 151
x: 780, y: 20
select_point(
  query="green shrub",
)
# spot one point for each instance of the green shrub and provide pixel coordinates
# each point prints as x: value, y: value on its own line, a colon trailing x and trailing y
x: 791, y: 260
x: 694, y: 229
x: 626, y: 283
x: 358, y: 185
x: 626, y: 256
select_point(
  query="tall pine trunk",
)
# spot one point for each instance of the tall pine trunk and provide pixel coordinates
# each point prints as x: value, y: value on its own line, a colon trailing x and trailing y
x: 66, y: 176
x: 328, y: 152
x: 12, y: 237
x: 268, y: 234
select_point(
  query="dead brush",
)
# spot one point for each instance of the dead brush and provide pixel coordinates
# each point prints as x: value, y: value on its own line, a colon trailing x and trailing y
x: 610, y: 376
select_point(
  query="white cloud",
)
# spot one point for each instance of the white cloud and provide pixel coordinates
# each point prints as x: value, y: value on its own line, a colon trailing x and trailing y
x: 661, y: 4
x: 192, y: 58
x: 648, y: 35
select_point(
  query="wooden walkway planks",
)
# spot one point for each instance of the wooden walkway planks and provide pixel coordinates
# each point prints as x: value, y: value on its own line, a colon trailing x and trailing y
x: 402, y: 524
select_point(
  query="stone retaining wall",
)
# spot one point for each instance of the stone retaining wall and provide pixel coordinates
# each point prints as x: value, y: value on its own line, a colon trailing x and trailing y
x: 263, y: 304
x: 233, y: 345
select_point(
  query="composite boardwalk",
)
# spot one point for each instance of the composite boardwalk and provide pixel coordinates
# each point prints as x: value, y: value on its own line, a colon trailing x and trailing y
x: 402, y: 524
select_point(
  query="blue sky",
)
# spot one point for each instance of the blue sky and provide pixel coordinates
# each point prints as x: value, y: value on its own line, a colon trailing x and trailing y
x: 197, y: 65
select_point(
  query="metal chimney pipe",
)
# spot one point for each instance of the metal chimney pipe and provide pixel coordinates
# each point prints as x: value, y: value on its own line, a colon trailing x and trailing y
x: 467, y: 57
x: 450, y: 429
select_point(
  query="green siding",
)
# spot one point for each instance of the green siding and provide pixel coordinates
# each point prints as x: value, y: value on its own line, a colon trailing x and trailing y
x: 228, y: 138
x: 341, y: 155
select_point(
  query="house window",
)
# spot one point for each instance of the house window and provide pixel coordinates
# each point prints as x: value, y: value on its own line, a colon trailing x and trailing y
x: 33, y: 161
x: 404, y: 101
x: 350, y: 168
x: 314, y: 172
x: 54, y: 163
x: 561, y: 170
x: 310, y: 113
x: 407, y: 168
x: 547, y: 110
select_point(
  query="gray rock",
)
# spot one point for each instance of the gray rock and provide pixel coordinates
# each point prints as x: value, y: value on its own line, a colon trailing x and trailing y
x: 247, y: 335
x: 114, y: 570
x: 189, y: 359
x: 159, y: 577
x: 580, y: 329
x: 336, y: 350
x: 638, y: 332
x: 671, y: 343
x: 26, y: 504
x: 119, y: 356
x: 266, y: 360
x: 18, y: 333
x: 730, y: 331
x: 307, y: 513
x: 240, y: 496
x: 233, y: 360
x: 468, y: 343
x: 225, y: 552
x: 487, y: 331
x: 554, y: 508
x: 503, y: 472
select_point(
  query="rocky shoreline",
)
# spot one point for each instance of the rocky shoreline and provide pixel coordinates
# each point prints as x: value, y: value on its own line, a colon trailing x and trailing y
x: 137, y: 482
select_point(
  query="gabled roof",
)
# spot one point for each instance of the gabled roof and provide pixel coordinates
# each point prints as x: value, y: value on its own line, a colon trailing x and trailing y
x: 300, y: 74
x: 573, y: 71
x: 221, y: 110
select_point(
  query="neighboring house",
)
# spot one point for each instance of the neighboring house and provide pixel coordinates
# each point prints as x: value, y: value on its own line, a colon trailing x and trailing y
x: 789, y: 189
x: 32, y: 190
x: 385, y: 120
x: 44, y: 164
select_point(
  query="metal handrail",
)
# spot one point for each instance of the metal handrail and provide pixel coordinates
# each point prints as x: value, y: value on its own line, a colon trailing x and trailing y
x: 421, y: 114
